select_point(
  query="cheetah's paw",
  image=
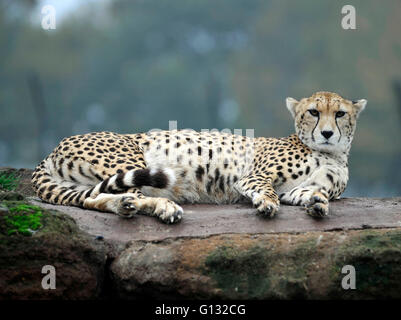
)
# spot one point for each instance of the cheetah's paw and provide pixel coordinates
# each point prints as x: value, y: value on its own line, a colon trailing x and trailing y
x: 168, y: 211
x: 266, y: 205
x: 318, y: 206
x: 126, y: 207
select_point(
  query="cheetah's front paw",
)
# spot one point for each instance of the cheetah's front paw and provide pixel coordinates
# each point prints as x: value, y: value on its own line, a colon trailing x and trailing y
x: 318, y: 206
x: 266, y: 205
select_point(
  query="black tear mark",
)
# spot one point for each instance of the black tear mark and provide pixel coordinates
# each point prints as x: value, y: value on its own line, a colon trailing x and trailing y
x: 338, y: 130
x: 317, y: 122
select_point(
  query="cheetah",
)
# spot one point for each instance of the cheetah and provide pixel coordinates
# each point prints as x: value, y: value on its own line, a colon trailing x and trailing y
x: 152, y: 173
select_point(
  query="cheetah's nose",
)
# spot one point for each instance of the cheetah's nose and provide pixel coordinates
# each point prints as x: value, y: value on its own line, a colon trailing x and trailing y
x: 327, y: 134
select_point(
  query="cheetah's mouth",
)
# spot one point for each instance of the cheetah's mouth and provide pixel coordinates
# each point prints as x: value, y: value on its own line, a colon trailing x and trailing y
x: 327, y: 143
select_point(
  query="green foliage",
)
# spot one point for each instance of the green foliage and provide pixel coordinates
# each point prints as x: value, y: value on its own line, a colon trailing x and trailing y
x: 8, y: 181
x: 25, y: 219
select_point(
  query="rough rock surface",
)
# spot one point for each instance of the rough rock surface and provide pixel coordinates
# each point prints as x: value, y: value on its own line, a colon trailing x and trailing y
x: 205, y: 220
x: 24, y: 185
x: 264, y: 266
x: 78, y: 258
x: 226, y: 252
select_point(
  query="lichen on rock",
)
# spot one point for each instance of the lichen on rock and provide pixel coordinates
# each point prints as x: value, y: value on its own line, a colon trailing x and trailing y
x: 376, y: 257
x: 79, y: 260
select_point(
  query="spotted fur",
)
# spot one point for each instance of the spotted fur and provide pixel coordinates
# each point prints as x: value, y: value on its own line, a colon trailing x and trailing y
x: 152, y: 172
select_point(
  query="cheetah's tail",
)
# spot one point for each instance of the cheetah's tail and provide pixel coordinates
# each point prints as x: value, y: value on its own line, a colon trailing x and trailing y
x: 52, y: 185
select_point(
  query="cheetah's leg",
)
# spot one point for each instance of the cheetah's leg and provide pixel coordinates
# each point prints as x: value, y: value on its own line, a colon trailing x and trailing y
x: 314, y: 197
x: 119, y: 193
x: 259, y: 189
x: 128, y: 204
x: 129, y: 200
x: 314, y: 193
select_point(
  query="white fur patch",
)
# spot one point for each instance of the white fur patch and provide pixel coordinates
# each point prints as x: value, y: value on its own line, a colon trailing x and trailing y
x: 170, y: 175
x: 128, y: 178
x: 112, y: 180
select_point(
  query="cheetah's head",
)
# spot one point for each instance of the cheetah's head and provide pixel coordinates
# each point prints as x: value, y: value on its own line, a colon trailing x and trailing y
x: 326, y: 121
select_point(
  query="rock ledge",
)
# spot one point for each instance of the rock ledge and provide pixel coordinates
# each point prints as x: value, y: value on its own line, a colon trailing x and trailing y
x: 224, y: 252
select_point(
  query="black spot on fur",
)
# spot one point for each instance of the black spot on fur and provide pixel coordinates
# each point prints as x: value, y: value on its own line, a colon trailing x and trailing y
x: 221, y: 184
x: 209, y: 186
x: 65, y: 197
x: 64, y: 190
x: 217, y: 174
x: 52, y: 187
x: 199, y: 173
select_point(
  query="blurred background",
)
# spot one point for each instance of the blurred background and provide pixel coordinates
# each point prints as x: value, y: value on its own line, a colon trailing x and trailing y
x: 133, y: 65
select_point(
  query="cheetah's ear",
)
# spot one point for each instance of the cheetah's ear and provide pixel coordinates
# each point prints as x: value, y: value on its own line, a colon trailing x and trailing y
x: 359, y: 105
x: 291, y: 105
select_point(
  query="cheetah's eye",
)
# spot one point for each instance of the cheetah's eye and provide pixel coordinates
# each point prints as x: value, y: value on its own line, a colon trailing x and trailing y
x: 340, y: 114
x: 314, y: 112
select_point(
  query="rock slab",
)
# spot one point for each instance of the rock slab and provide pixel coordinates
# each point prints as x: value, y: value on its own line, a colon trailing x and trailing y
x: 216, y: 252
x: 202, y: 220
